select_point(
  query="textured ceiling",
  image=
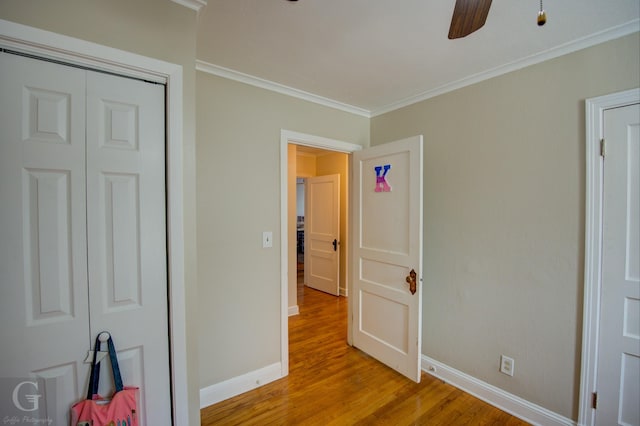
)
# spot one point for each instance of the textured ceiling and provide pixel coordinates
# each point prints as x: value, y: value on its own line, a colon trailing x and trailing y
x: 376, y: 55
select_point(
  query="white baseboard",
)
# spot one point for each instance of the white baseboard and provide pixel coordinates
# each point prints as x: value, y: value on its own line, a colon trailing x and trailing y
x: 240, y: 384
x: 495, y: 396
x: 294, y: 310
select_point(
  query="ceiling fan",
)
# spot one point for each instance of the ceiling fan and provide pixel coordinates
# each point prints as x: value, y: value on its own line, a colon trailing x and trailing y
x: 470, y: 15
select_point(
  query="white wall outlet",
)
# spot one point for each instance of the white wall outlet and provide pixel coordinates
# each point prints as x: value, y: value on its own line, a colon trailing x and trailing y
x: 267, y: 239
x: 507, y: 365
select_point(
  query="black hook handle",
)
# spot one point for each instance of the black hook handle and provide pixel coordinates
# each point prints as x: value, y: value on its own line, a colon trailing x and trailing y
x: 335, y: 245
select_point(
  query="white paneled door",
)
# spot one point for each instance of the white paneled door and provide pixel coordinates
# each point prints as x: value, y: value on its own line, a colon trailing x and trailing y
x: 618, y: 371
x: 43, y: 254
x: 322, y: 231
x: 82, y: 230
x: 387, y: 254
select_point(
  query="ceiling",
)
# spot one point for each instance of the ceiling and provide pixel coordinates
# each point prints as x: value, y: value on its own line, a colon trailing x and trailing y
x: 373, y: 56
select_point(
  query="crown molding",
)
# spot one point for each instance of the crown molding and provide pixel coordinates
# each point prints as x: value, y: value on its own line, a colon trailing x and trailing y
x: 192, y: 4
x: 564, y: 49
x: 279, y: 88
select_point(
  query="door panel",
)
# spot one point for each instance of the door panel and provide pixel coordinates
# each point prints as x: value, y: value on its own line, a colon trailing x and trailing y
x: 126, y: 237
x: 386, y: 212
x: 387, y: 241
x: 121, y: 241
x: 322, y: 227
x: 618, y: 377
x: 43, y: 264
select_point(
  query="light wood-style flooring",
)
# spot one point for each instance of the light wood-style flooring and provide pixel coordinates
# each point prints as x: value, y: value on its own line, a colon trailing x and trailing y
x: 330, y: 383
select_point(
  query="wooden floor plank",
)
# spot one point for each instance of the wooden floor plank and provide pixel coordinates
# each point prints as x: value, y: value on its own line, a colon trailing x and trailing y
x: 331, y: 383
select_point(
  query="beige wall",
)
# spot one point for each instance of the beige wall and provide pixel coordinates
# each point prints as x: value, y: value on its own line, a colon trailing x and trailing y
x: 158, y: 29
x: 238, y: 192
x: 504, y: 197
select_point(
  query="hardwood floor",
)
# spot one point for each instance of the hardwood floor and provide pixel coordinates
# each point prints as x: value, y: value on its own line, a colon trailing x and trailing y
x: 330, y: 383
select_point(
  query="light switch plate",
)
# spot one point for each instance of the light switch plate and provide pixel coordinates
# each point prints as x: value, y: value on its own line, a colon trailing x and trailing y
x: 267, y: 239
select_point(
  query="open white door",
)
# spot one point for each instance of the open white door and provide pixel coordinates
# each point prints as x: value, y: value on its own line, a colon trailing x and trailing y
x: 387, y: 247
x: 322, y: 230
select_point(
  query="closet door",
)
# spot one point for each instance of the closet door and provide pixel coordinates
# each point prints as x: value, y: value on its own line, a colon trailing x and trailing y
x: 82, y: 233
x: 44, y: 315
x: 126, y: 233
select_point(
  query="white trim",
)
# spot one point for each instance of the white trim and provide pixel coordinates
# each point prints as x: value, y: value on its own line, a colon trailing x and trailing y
x: 294, y: 310
x: 55, y: 46
x: 48, y: 45
x: 192, y: 4
x: 564, y: 49
x: 239, y: 384
x: 286, y: 137
x: 317, y: 142
x: 594, y: 111
x: 497, y: 397
x: 278, y: 88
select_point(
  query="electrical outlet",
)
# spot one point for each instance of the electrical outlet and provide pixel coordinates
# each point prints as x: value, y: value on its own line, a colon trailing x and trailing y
x: 507, y: 365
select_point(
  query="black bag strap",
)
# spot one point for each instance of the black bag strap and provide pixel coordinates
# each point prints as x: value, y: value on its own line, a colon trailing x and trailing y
x: 94, y: 378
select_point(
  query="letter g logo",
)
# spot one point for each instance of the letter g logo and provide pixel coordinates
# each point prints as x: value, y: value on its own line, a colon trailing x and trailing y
x: 33, y: 399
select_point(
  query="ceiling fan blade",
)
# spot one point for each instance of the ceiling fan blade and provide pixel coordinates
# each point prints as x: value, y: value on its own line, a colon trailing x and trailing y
x: 468, y: 16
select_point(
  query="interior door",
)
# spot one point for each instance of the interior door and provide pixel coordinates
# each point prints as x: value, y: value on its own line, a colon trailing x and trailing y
x: 387, y: 247
x: 618, y: 371
x: 322, y: 231
x: 127, y: 234
x: 43, y: 258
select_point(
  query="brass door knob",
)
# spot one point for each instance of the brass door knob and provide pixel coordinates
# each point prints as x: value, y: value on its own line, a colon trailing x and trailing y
x: 411, y: 279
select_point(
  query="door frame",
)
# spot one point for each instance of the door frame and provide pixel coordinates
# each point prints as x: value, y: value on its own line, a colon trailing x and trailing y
x: 296, y: 138
x: 594, y: 110
x: 57, y: 47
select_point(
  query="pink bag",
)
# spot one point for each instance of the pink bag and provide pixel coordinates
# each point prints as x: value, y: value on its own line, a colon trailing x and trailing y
x: 120, y: 410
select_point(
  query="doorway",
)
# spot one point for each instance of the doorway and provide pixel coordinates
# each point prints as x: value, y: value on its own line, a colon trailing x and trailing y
x: 603, y: 200
x: 289, y: 142
x: 408, y: 195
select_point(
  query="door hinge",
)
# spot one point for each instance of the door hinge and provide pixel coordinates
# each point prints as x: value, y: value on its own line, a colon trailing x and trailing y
x: 594, y: 400
x: 602, y: 147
